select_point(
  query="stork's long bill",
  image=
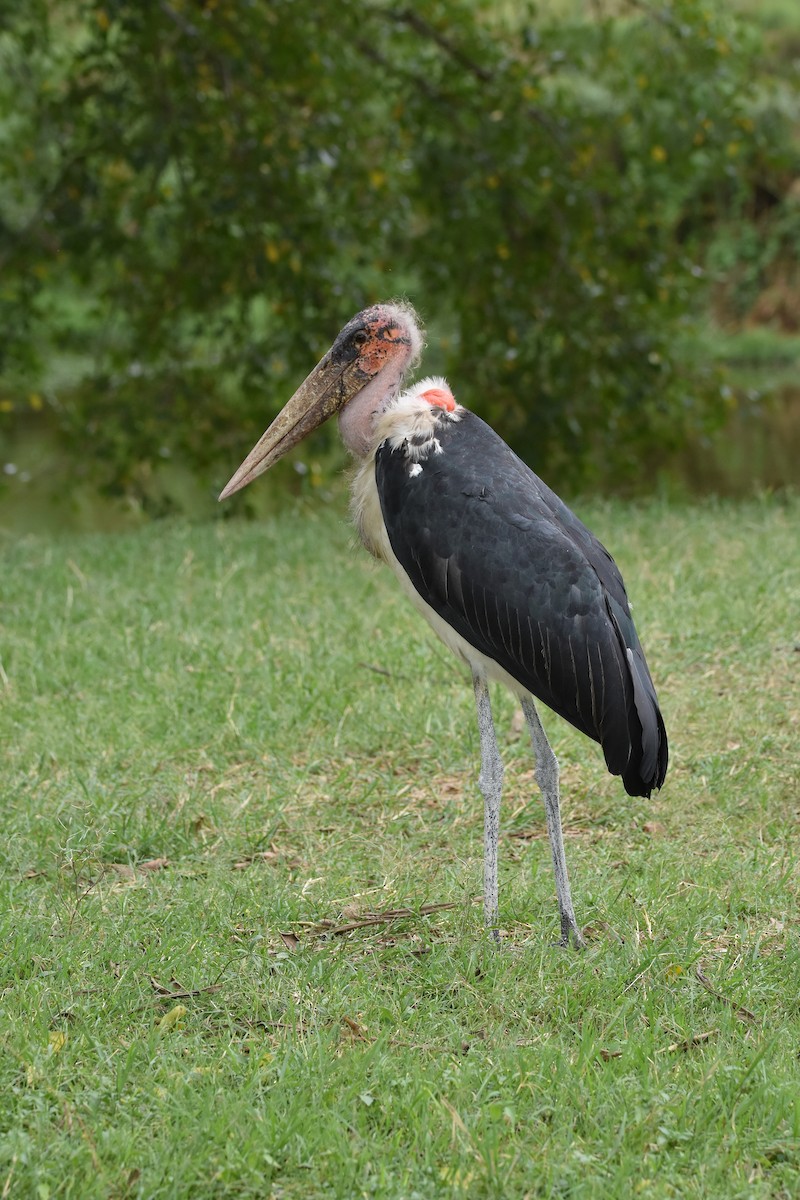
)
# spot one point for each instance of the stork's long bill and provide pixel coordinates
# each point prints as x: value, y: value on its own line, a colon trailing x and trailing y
x: 365, y: 365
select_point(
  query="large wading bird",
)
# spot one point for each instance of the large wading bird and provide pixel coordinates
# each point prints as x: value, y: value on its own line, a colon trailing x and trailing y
x: 506, y: 574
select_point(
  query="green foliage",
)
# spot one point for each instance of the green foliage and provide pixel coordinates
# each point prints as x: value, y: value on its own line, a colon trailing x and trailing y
x: 195, y: 197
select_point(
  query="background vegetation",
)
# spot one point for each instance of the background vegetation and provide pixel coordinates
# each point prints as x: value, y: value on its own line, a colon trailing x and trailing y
x: 194, y: 197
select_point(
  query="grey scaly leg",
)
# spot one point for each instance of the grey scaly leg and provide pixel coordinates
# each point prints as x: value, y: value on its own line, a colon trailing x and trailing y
x: 490, y: 782
x: 547, y: 778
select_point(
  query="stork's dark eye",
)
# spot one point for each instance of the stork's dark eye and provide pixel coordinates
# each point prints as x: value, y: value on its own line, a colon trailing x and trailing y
x: 360, y: 337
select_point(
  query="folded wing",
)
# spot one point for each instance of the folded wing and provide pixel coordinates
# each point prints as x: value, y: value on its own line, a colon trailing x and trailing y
x: 506, y: 563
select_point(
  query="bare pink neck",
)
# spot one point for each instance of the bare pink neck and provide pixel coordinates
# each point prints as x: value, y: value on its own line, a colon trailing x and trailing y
x: 357, y: 418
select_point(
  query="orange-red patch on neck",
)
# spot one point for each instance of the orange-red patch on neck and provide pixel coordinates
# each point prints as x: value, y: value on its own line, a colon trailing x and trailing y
x: 441, y: 398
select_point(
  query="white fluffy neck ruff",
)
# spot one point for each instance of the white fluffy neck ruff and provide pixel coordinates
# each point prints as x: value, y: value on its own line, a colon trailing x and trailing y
x: 411, y: 418
x: 432, y: 383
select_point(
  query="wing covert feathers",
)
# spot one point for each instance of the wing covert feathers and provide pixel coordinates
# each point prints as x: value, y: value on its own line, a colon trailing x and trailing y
x: 499, y: 557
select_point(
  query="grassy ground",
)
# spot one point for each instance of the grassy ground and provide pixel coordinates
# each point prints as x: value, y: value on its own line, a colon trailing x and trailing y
x: 227, y: 745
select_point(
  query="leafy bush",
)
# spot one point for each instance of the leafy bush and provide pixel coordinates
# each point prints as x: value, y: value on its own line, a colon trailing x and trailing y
x: 196, y: 195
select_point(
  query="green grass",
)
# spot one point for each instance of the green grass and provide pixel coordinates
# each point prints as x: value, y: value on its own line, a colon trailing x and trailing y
x: 757, y: 348
x: 257, y: 705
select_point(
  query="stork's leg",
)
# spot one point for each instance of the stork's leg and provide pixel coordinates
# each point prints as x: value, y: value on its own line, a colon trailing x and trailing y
x: 547, y: 778
x: 490, y: 782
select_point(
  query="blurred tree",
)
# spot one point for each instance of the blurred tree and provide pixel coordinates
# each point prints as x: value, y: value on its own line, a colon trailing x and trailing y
x: 196, y: 193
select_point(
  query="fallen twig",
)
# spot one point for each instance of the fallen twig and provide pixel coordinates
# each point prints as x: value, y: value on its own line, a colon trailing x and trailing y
x: 696, y: 1039
x: 168, y: 993
x: 378, y: 670
x: 391, y: 914
x: 739, y: 1009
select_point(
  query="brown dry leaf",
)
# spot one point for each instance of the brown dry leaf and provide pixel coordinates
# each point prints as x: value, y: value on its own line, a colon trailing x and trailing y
x: 290, y: 940
x: 654, y: 828
x: 697, y: 1039
x: 154, y: 864
x: 161, y: 988
x: 356, y: 1032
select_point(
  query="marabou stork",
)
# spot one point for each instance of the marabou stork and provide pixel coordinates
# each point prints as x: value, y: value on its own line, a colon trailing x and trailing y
x: 506, y: 574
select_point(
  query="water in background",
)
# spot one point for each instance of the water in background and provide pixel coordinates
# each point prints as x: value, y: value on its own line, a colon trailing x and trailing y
x: 757, y: 450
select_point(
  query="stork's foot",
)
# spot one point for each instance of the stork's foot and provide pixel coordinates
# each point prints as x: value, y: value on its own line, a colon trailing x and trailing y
x: 570, y: 934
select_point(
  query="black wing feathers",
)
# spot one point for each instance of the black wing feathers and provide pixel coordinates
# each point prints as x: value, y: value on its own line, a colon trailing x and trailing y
x: 503, y: 560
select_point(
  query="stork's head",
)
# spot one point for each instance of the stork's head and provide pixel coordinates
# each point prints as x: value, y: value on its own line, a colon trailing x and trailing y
x: 365, y: 366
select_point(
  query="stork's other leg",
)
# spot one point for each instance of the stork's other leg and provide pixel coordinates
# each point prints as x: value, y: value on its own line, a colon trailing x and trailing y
x: 490, y: 782
x: 547, y: 778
